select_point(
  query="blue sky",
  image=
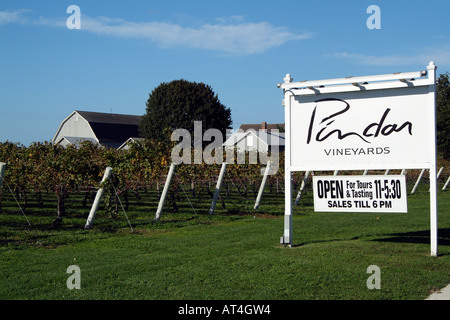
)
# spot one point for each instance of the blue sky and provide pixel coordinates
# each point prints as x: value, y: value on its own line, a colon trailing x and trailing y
x: 242, y: 49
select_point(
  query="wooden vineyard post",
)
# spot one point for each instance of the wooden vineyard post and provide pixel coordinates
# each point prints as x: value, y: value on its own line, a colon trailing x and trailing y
x: 164, y: 193
x: 263, y: 184
x: 98, y: 198
x: 2, y: 173
x: 218, y: 186
x: 446, y: 184
x: 417, y: 181
x: 299, y: 194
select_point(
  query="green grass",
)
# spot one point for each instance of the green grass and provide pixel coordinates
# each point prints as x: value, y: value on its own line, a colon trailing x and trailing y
x: 233, y: 254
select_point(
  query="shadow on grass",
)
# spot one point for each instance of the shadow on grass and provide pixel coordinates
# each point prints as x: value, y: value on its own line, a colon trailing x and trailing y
x: 418, y: 237
x: 300, y: 244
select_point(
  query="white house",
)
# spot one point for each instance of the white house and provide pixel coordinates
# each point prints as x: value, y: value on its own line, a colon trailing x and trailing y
x: 126, y: 144
x: 261, y: 138
x: 106, y: 129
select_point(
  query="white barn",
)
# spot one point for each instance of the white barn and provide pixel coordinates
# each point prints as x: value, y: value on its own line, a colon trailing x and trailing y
x: 106, y: 129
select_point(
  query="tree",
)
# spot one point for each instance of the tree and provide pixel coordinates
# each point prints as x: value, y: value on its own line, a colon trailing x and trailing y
x: 177, y: 104
x: 443, y: 115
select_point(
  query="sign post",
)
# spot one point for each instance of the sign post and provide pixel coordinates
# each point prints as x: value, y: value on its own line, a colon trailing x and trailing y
x: 433, y: 162
x: 376, y: 122
x: 286, y: 239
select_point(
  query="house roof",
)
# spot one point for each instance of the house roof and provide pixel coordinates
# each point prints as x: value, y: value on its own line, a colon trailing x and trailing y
x: 259, y: 126
x: 111, y: 118
x: 112, y: 129
x: 269, y: 138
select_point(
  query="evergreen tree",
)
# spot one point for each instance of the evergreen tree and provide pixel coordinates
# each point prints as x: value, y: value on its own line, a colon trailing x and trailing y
x: 178, y: 104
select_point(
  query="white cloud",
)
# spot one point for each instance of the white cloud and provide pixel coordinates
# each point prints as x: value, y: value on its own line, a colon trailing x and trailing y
x: 15, y: 16
x: 230, y: 35
x: 441, y: 56
x: 238, y: 38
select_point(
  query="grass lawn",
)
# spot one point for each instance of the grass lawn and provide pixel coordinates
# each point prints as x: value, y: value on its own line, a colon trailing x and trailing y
x: 234, y: 254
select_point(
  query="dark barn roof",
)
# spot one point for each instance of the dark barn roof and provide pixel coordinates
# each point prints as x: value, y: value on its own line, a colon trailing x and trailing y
x: 263, y: 126
x: 112, y: 129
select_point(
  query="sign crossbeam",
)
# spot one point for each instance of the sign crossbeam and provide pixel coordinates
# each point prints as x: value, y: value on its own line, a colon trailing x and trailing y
x: 402, y: 76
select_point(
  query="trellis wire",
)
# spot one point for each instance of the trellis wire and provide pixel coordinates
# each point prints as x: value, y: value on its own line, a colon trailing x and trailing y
x: 187, y: 197
x: 123, y: 209
x: 23, y: 213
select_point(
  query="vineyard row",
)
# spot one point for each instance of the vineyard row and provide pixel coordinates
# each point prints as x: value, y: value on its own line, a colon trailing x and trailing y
x: 44, y: 167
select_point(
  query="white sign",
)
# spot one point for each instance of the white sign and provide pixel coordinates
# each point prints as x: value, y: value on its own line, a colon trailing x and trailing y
x: 360, y: 123
x: 360, y: 130
x: 384, y: 193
